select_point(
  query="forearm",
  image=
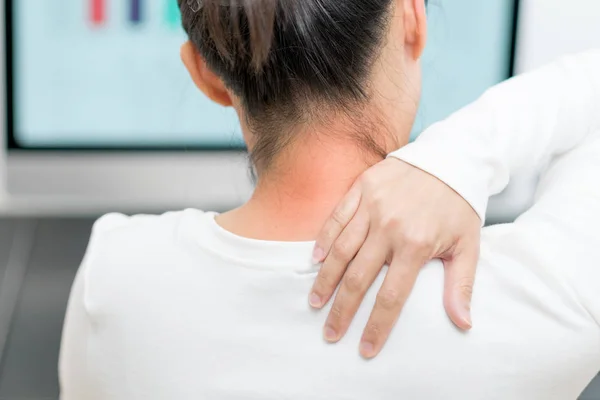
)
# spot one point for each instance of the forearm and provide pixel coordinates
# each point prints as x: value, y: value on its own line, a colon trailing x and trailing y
x: 515, y: 127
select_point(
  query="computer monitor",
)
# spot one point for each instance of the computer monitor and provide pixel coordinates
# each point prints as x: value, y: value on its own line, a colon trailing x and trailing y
x: 101, y: 115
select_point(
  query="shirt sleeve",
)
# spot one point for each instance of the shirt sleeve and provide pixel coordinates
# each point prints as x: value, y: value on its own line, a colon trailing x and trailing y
x: 76, y: 381
x: 563, y: 225
x: 73, y: 369
x: 515, y: 127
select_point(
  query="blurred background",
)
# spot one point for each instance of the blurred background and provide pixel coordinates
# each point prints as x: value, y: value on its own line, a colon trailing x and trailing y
x: 99, y: 116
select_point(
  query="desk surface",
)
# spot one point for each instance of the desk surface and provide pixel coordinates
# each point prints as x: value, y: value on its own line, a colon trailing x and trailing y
x: 38, y: 262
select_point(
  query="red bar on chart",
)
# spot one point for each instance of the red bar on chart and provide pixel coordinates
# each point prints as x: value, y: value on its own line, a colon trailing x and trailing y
x: 98, y: 11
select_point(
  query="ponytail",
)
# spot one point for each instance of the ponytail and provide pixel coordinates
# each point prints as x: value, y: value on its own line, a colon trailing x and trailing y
x: 230, y: 23
x: 288, y: 60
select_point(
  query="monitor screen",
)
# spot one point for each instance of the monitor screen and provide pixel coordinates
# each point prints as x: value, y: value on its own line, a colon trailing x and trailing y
x: 107, y: 74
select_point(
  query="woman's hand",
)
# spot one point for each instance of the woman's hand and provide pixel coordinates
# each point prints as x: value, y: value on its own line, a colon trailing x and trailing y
x: 399, y: 215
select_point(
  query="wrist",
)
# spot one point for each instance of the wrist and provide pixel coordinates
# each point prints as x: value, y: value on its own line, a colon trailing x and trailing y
x: 458, y: 172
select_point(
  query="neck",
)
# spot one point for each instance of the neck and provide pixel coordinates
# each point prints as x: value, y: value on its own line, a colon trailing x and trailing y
x: 299, y: 192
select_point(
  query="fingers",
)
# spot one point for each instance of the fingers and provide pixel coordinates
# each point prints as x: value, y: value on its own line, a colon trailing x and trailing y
x: 394, y: 292
x: 459, y: 280
x: 357, y: 280
x: 342, y: 252
x: 336, y: 224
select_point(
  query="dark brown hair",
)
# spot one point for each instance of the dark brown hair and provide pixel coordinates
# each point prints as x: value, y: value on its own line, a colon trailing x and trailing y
x: 289, y: 59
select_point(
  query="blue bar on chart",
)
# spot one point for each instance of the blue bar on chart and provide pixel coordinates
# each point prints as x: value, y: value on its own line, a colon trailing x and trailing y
x: 135, y: 11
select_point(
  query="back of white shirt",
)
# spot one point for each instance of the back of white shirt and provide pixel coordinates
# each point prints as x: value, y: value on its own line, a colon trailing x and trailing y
x: 174, y: 307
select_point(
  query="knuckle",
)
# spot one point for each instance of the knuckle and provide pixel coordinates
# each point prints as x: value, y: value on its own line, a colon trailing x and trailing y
x: 324, y: 282
x: 373, y: 193
x: 376, y: 197
x: 388, y: 299
x: 465, y: 286
x: 339, y: 217
x: 368, y: 180
x: 336, y: 313
x: 371, y: 261
x: 419, y: 244
x: 391, y: 223
x: 341, y: 250
x: 353, y: 282
x: 419, y: 241
x: 373, y: 329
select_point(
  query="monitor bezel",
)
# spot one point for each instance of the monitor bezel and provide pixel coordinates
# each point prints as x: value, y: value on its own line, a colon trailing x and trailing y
x: 13, y: 144
x: 10, y: 121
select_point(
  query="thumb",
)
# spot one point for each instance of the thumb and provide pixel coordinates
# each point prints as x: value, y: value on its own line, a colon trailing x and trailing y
x: 459, y: 280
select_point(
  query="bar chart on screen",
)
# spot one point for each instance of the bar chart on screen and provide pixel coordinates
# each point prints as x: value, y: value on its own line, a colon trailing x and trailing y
x: 108, y: 72
x: 106, y: 13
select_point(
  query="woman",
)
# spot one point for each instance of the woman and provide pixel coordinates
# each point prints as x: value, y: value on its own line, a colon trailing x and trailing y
x: 197, y: 305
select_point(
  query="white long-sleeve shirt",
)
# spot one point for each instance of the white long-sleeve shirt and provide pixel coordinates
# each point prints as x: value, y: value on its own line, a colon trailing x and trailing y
x: 174, y: 307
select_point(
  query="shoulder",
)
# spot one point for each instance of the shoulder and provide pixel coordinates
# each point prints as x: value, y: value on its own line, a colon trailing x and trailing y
x: 129, y: 255
x: 118, y: 229
x: 118, y: 224
x: 121, y: 243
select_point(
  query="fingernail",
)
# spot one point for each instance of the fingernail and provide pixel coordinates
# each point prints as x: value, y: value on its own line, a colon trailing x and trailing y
x: 468, y: 322
x: 330, y: 334
x: 465, y: 316
x: 367, y: 349
x: 318, y: 255
x: 314, y: 300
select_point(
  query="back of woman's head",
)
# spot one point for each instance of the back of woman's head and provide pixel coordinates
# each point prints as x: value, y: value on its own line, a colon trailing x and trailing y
x: 286, y: 59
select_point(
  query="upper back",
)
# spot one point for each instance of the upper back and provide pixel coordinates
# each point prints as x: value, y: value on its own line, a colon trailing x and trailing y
x: 181, y: 309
